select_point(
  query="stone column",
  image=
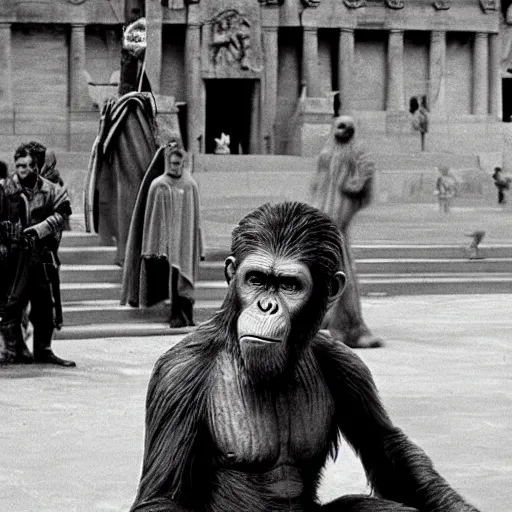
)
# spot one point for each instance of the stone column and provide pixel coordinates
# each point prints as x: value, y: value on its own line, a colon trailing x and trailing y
x: 195, y: 87
x: 6, y: 99
x: 395, y: 78
x: 270, y: 96
x: 481, y: 74
x: 310, y: 61
x: 346, y: 70
x: 437, y: 71
x: 495, y: 93
x: 154, y: 43
x: 78, y: 95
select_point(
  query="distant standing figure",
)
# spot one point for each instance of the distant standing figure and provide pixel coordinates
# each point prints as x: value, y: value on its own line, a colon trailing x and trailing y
x: 340, y: 188
x: 502, y: 183
x: 165, y: 240
x: 446, y: 189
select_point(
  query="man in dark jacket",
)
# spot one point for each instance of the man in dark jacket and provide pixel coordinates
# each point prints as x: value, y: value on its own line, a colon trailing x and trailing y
x: 47, y: 207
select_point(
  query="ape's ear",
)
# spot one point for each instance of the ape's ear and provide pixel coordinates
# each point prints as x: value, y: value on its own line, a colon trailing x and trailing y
x: 229, y: 268
x: 338, y: 285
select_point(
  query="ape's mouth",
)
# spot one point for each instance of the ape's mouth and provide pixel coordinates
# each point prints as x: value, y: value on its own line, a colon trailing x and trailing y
x: 251, y: 338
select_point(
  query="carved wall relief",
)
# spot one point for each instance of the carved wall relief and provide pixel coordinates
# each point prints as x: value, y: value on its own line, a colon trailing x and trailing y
x: 354, y: 4
x: 489, y: 5
x: 442, y: 5
x: 395, y: 4
x: 231, y: 40
x: 310, y: 3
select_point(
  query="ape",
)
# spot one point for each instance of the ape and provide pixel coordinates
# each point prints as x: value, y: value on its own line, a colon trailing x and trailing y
x: 243, y: 413
x: 341, y: 187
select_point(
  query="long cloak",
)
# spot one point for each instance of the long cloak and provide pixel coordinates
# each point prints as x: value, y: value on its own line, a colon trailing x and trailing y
x: 121, y: 154
x: 343, y: 182
x: 165, y: 225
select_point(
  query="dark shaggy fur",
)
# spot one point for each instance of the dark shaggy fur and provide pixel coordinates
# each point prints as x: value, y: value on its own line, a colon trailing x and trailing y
x: 180, y: 470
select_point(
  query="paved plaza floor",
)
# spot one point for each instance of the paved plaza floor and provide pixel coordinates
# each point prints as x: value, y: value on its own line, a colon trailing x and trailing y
x: 71, y: 439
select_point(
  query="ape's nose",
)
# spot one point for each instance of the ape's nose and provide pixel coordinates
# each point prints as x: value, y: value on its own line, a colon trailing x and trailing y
x: 268, y: 306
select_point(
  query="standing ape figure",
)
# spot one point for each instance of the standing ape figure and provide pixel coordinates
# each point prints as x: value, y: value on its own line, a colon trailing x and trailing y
x: 243, y: 413
x: 165, y: 241
x: 340, y: 188
x: 47, y: 208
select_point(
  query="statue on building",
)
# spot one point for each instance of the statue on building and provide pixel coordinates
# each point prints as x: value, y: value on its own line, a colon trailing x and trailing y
x: 354, y: 4
x: 231, y: 40
x: 489, y: 5
x: 442, y: 5
x: 222, y: 145
x: 395, y: 4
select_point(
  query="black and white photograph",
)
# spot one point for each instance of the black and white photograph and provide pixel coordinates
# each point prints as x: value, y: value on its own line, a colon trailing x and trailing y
x: 255, y: 255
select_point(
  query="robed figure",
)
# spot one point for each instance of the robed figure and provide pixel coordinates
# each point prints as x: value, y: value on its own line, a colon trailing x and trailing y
x: 124, y: 147
x: 165, y: 240
x: 341, y: 187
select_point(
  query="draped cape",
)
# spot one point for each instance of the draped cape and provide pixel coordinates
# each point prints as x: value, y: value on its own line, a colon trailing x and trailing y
x: 121, y: 154
x: 165, y: 224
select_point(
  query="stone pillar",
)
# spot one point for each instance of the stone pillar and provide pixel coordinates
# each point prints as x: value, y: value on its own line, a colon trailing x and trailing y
x: 154, y: 43
x: 78, y: 95
x: 481, y: 74
x: 195, y: 87
x: 310, y: 61
x: 270, y: 95
x: 437, y: 71
x: 395, y: 78
x: 346, y: 70
x: 6, y: 103
x: 495, y: 93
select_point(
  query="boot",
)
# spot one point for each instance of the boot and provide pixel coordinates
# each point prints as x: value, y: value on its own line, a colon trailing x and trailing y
x: 176, y: 319
x: 187, y: 309
x: 43, y: 352
x: 12, y: 346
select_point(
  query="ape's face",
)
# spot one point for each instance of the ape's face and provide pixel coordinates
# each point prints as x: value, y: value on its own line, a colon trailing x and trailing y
x: 273, y: 291
x: 344, y: 129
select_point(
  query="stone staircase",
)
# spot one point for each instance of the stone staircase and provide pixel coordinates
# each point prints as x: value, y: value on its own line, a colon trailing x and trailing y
x: 90, y: 282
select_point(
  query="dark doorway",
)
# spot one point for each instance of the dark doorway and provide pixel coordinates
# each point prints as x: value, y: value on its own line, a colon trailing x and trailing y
x: 228, y: 110
x: 507, y: 99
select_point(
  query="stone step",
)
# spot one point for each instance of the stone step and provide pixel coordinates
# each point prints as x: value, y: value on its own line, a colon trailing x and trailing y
x: 79, y: 239
x: 210, y: 271
x: 381, y: 280
x: 87, y: 252
x: 87, y: 255
x: 94, y: 313
x: 210, y: 295
x: 90, y: 274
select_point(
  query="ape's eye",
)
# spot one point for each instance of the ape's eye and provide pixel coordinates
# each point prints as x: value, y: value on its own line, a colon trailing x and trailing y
x: 254, y: 279
x: 291, y: 285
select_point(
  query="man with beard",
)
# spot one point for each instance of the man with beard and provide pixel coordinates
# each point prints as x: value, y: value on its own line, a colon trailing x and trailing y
x: 341, y: 187
x: 47, y: 207
x: 165, y: 241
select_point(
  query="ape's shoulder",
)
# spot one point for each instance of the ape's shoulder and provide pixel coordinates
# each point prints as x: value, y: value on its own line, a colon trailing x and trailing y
x: 340, y: 365
x: 191, y: 357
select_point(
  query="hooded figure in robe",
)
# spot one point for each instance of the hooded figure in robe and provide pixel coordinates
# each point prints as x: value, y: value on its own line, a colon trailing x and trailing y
x: 340, y: 188
x: 165, y: 241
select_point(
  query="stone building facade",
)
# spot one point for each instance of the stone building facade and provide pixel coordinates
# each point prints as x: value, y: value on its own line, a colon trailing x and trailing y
x: 262, y: 71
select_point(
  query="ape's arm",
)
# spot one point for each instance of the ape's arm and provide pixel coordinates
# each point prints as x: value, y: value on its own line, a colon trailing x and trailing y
x: 174, y: 462
x: 396, y: 468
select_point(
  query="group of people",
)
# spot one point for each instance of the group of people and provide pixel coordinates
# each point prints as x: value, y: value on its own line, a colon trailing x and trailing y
x: 34, y: 210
